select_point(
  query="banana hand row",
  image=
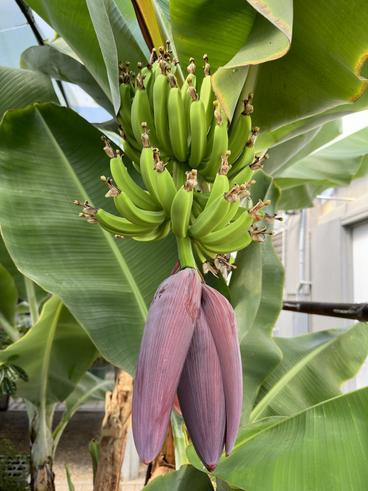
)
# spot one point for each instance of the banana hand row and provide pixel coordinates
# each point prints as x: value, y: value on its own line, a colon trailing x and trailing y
x: 187, y: 123
x: 198, y: 184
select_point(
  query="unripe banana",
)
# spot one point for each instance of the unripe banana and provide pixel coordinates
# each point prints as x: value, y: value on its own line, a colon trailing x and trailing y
x: 158, y: 233
x: 230, y: 238
x: 119, y: 225
x: 130, y: 151
x: 127, y: 185
x: 214, y: 215
x: 161, y: 89
x: 182, y: 206
x: 125, y: 110
x: 248, y: 154
x: 190, y: 81
x: 147, y: 166
x: 206, y: 94
x: 131, y: 212
x: 178, y: 129
x: 208, y: 254
x: 240, y: 130
x: 165, y: 185
x: 141, y: 112
x: 198, y: 130
x: 219, y: 187
x: 196, y: 210
x: 219, y: 147
x: 243, y: 176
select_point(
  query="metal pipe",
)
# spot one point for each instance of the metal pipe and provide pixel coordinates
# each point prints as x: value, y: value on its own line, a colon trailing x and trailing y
x: 356, y: 311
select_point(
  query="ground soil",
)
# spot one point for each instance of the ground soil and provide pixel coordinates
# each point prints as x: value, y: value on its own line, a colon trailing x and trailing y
x: 72, y: 450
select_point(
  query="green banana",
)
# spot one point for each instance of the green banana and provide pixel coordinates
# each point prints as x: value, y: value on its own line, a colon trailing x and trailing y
x: 198, y: 130
x: 247, y: 156
x: 206, y: 94
x: 196, y: 210
x: 158, y: 233
x: 191, y: 78
x: 181, y: 207
x: 219, y: 188
x: 131, y: 212
x: 190, y: 81
x: 161, y: 89
x: 242, y: 176
x: 125, y: 109
x: 219, y: 147
x: 141, y: 112
x: 165, y: 185
x: 147, y: 166
x: 127, y: 185
x: 131, y: 152
x: 230, y: 238
x: 119, y: 225
x: 240, y: 130
x: 212, y: 216
x: 178, y: 130
x: 208, y: 254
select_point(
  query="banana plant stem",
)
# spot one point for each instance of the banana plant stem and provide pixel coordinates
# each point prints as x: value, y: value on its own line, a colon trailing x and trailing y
x: 185, y: 253
x: 10, y: 330
x: 32, y: 300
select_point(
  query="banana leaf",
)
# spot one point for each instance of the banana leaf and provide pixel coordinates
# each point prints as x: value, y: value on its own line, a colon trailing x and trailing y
x: 22, y: 87
x: 100, y: 33
x: 306, y: 75
x: 50, y: 156
x: 322, y: 447
x: 312, y: 369
x: 8, y: 296
x: 187, y: 477
x: 54, y: 353
x: 49, y: 60
x: 336, y: 164
x: 256, y: 290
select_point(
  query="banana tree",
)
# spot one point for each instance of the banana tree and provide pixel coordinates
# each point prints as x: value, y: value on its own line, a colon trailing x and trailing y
x: 280, y: 52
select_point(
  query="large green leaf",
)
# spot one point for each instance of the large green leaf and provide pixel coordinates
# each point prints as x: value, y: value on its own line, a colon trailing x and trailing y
x: 323, y: 447
x: 312, y: 369
x: 187, y: 477
x: 100, y: 33
x: 205, y: 26
x: 284, y: 155
x: 8, y: 296
x: 48, y: 157
x: 22, y: 87
x: 234, y: 37
x: 55, y: 353
x: 49, y: 60
x: 319, y: 72
x: 334, y: 165
x: 256, y: 289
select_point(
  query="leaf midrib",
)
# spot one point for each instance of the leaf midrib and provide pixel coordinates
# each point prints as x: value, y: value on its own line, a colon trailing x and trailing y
x: 116, y: 251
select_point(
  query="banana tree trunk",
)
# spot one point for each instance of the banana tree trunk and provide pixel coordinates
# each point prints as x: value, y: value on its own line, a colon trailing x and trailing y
x: 165, y: 461
x: 118, y: 408
x: 42, y: 475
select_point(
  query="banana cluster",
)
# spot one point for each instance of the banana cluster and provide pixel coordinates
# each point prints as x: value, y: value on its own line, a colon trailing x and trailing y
x: 196, y: 169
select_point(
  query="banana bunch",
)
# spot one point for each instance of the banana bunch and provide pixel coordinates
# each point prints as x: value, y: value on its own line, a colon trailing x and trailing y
x: 196, y: 170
